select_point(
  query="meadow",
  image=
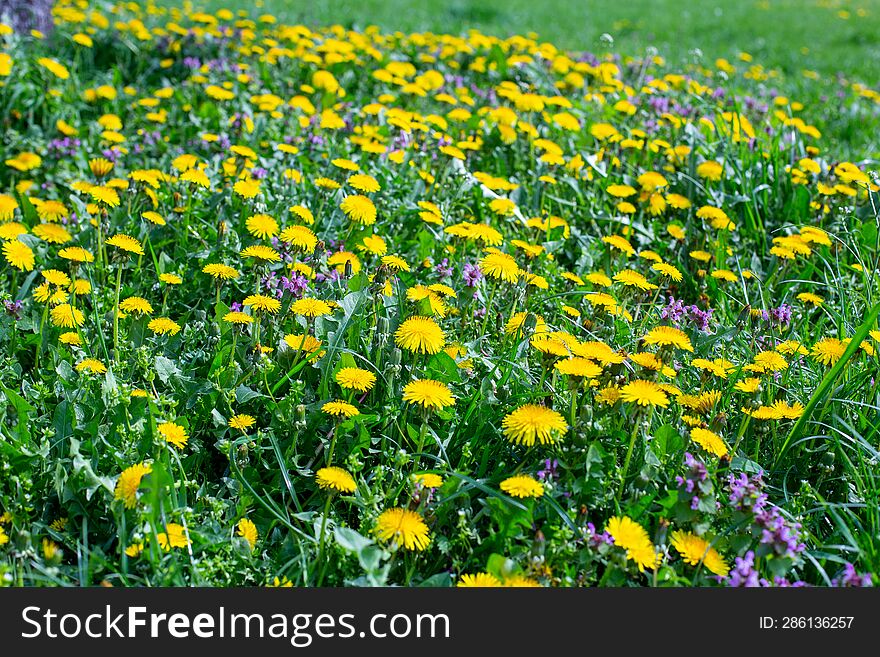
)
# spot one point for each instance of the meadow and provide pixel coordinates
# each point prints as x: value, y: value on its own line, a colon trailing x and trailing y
x: 293, y: 297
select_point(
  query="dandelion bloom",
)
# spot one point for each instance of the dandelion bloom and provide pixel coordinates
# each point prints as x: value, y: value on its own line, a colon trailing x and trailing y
x: 248, y: 531
x: 364, y: 183
x: 631, y: 278
x: 828, y: 351
x: 262, y: 302
x: 66, y: 316
x: 695, y: 550
x: 76, y: 254
x: 668, y: 336
x: 428, y: 479
x: 337, y: 479
x: 500, y: 266
x: 237, y: 317
x: 340, y: 408
x: 91, y: 365
x: 299, y: 236
x: 126, y: 243
x: 708, y: 440
x: 578, y: 367
x: 532, y: 423
x: 395, y: 262
x: 302, y: 342
x: 137, y: 305
x: 355, y: 378
x: 480, y: 580
x: 420, y: 334
x: 174, y: 536
x: 359, y: 209
x: 619, y: 243
x: 428, y: 394
x: 18, y: 255
x: 403, y: 528
x: 52, y: 233
x: 644, y: 393
x: 242, y: 421
x: 247, y: 188
x: 667, y: 270
x: 310, y: 307
x: 522, y: 486
x: 626, y: 532
x: 197, y: 177
x: 620, y: 191
x: 262, y: 226
x: 633, y: 538
x: 173, y: 434
x: 220, y: 271
x: 261, y: 252
x: 70, y: 338
x: 128, y: 483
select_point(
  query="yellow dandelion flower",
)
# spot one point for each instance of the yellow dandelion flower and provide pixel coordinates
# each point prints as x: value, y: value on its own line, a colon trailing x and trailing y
x: 355, y: 378
x: 695, y: 550
x: 359, y: 209
x: 126, y: 243
x: 173, y: 434
x: 310, y: 307
x: 420, y: 335
x: 479, y: 580
x: 428, y: 394
x: 248, y: 531
x: 532, y: 423
x: 644, y: 393
x: 403, y: 528
x: 242, y: 421
x: 709, y: 441
x: 522, y: 486
x: 262, y: 302
x: 335, y: 479
x: 128, y: 483
x: 340, y: 408
x: 668, y: 336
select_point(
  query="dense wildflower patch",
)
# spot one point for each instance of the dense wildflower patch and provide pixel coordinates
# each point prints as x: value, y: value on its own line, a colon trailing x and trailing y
x: 321, y: 306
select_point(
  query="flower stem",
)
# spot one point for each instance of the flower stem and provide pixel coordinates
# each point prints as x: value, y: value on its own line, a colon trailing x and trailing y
x: 322, y: 564
x: 625, y: 470
x: 116, y: 314
x: 40, y: 342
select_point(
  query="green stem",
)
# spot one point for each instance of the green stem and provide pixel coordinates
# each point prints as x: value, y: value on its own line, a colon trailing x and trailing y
x: 423, y: 434
x: 40, y: 342
x: 332, y: 444
x: 116, y: 314
x: 322, y: 540
x: 629, y: 452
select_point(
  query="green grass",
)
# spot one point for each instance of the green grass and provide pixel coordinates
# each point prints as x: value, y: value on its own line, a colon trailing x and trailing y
x: 787, y: 35
x: 83, y: 413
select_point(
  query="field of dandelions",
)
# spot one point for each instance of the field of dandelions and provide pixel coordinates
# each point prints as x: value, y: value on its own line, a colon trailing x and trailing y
x: 295, y: 306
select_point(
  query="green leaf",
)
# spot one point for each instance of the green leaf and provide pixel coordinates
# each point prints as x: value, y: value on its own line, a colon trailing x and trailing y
x: 243, y: 394
x: 166, y: 369
x: 349, y: 539
x: 666, y: 440
x: 827, y: 382
x: 440, y: 580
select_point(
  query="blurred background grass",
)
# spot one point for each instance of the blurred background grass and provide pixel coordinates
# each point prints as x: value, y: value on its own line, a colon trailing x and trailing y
x: 837, y: 39
x: 828, y: 36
